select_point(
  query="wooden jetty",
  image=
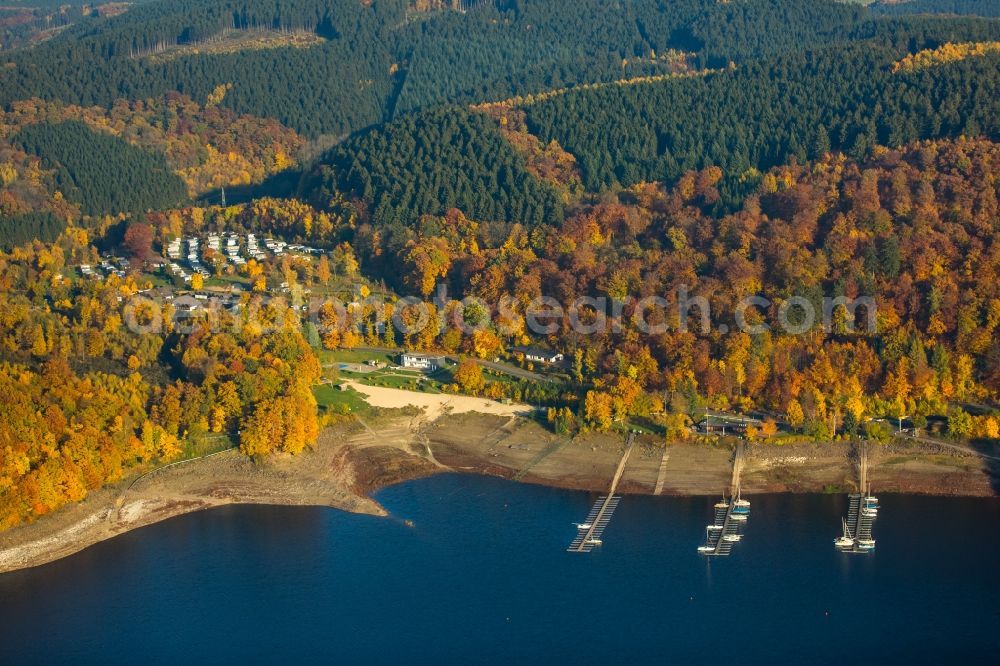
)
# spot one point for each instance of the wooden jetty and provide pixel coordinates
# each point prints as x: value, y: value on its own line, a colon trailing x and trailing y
x: 862, y: 509
x: 730, y: 515
x: 589, y: 533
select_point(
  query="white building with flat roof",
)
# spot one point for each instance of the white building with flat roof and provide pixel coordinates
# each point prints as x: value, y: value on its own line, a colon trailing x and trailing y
x: 426, y: 362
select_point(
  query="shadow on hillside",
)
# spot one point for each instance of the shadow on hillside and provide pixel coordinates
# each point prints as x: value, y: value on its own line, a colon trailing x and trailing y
x: 281, y: 185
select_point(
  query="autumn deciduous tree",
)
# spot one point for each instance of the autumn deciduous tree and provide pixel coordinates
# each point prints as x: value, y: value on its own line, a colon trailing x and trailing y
x: 469, y: 376
x: 676, y: 426
x: 796, y: 417
x: 287, y: 424
x: 139, y: 241
x: 426, y: 261
x: 323, y: 273
x: 598, y: 409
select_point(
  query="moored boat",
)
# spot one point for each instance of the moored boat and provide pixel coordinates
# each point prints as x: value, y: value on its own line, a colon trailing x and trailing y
x: 845, y: 541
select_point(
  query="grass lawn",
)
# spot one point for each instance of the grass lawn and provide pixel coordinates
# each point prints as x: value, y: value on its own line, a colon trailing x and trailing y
x: 406, y: 382
x: 227, y: 281
x: 640, y: 426
x: 155, y: 279
x: 330, y: 397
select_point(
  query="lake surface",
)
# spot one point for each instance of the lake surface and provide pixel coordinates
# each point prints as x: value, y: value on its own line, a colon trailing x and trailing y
x: 483, y: 576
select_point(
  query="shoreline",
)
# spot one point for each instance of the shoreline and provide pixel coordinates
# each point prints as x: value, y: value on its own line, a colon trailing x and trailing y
x: 352, y: 461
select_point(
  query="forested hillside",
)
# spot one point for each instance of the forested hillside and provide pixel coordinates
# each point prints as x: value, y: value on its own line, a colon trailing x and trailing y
x: 384, y: 57
x: 209, y: 148
x: 915, y: 229
x: 743, y: 121
x: 22, y: 228
x: 102, y: 173
x: 958, y: 7
x: 754, y: 117
x: 432, y: 162
x: 27, y: 22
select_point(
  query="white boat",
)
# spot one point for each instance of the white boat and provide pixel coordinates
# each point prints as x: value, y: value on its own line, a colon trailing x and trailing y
x: 705, y: 549
x: 715, y: 527
x: 721, y: 505
x: 738, y: 517
x: 594, y: 542
x: 742, y: 502
x: 583, y: 526
x: 871, y: 500
x: 731, y: 537
x: 869, y: 513
x: 845, y: 541
x: 866, y: 544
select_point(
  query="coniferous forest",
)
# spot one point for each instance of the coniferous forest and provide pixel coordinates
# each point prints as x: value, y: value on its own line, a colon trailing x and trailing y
x: 385, y: 57
x: 105, y: 174
x: 744, y: 121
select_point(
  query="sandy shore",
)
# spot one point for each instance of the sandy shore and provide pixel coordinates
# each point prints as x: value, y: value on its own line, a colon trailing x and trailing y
x: 436, y: 405
x: 458, y: 433
x: 524, y: 451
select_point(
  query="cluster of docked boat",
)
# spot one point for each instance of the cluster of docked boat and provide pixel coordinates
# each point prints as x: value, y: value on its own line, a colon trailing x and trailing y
x: 852, y: 542
x: 738, y: 515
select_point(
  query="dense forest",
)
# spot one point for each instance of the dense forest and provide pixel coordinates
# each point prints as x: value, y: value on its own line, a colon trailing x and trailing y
x: 384, y: 57
x: 744, y: 121
x: 207, y: 146
x: 957, y: 7
x: 21, y: 229
x: 101, y: 172
x: 756, y: 116
x: 431, y: 162
x: 25, y: 22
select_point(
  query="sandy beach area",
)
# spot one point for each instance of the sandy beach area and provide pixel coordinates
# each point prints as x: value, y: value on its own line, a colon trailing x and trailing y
x: 436, y: 405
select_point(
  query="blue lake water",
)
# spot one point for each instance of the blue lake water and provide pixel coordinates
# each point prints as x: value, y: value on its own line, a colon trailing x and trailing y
x: 483, y: 576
